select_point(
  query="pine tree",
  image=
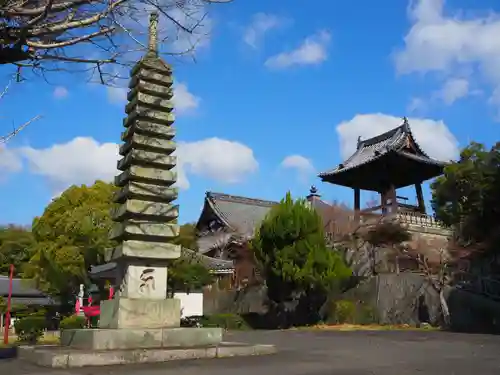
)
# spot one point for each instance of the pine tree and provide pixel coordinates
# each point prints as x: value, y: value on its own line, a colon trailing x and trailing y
x: 295, y: 261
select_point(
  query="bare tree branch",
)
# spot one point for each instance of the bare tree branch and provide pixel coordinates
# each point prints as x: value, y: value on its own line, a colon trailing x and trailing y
x: 44, y: 34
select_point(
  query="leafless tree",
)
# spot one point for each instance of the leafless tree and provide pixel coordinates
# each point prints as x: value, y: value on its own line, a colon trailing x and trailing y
x: 91, y: 35
x: 10, y: 133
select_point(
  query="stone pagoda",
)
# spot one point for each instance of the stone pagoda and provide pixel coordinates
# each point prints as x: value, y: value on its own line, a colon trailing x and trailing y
x: 140, y: 324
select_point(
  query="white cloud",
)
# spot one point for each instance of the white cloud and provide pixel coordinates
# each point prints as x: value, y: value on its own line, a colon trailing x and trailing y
x: 184, y: 100
x: 84, y: 160
x: 298, y: 162
x: 312, y: 51
x: 416, y: 105
x: 218, y: 159
x: 302, y: 165
x: 80, y: 161
x: 433, y: 136
x: 260, y: 25
x: 60, y: 92
x: 116, y: 95
x: 453, y: 89
x: 451, y: 45
x: 9, y: 162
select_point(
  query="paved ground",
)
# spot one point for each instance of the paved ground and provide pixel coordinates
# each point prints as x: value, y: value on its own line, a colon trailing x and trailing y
x: 327, y: 353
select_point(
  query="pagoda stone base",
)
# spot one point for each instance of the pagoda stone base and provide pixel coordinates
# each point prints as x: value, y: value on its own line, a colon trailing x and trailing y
x: 60, y: 357
x: 129, y: 313
x: 142, y: 338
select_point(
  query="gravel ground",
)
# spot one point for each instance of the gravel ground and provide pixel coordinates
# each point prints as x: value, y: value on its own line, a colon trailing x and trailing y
x: 326, y: 353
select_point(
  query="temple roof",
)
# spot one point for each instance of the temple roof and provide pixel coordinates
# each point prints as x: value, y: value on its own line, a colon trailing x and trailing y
x: 22, y: 293
x: 243, y: 214
x: 240, y: 214
x: 393, y: 157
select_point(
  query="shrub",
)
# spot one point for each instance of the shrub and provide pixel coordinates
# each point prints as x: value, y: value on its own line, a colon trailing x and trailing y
x: 349, y: 312
x: 344, y: 311
x: 72, y: 322
x: 226, y: 321
x: 30, y: 328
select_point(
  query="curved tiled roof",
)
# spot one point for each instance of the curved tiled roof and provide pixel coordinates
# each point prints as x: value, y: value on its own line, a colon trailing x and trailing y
x: 384, y: 145
x: 22, y: 293
x: 239, y: 213
x: 375, y: 148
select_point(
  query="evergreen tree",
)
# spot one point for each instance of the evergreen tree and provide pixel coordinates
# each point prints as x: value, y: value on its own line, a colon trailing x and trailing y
x: 298, y: 267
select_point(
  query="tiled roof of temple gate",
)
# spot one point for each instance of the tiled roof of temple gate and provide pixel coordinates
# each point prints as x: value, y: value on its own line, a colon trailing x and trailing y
x: 374, y: 148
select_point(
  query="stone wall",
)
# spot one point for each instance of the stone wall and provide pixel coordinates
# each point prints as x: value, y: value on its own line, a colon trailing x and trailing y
x: 396, y: 298
x: 244, y: 301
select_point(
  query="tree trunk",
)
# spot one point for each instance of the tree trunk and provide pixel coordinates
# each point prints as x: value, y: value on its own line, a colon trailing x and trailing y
x: 444, y: 308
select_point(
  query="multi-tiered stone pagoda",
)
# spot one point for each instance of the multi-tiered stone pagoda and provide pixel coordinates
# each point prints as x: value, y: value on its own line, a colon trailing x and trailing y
x: 140, y: 324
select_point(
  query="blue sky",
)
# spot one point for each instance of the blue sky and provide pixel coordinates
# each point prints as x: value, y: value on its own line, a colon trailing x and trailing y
x: 280, y: 91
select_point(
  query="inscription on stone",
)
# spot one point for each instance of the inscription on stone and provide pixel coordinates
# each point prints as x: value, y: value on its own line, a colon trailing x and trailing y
x: 147, y: 281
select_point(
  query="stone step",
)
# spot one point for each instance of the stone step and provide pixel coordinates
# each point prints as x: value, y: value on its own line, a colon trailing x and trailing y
x: 55, y: 357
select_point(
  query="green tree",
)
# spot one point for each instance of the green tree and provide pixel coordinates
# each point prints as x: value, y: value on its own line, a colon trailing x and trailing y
x: 297, y: 264
x: 15, y: 248
x: 188, y: 273
x: 187, y: 236
x: 467, y: 196
x: 70, y: 236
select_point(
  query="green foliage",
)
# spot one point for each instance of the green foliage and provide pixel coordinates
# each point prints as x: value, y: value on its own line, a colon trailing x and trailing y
x: 16, y: 244
x: 72, y: 322
x: 30, y: 328
x: 71, y: 235
x: 349, y: 312
x: 291, y: 251
x: 226, y: 321
x: 466, y: 196
x: 188, y: 274
x: 187, y: 236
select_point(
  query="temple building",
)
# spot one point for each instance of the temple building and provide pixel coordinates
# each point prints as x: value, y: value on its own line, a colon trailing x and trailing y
x: 227, y: 222
x: 383, y: 164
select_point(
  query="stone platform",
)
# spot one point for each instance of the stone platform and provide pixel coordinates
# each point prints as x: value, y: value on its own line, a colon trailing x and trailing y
x: 140, y: 338
x: 60, y: 357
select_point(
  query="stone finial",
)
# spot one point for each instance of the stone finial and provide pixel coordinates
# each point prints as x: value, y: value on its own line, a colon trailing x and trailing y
x: 153, y: 34
x: 313, y: 193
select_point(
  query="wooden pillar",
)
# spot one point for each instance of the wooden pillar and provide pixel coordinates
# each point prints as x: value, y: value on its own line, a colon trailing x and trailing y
x: 394, y: 200
x: 383, y: 201
x: 420, y: 198
x: 357, y: 204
